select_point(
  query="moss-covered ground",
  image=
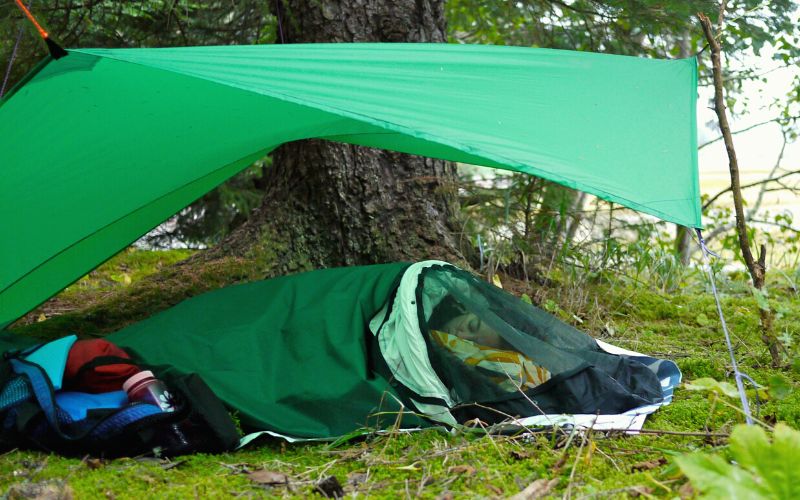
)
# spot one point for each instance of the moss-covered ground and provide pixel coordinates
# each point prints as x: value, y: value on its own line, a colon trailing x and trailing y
x: 680, y: 325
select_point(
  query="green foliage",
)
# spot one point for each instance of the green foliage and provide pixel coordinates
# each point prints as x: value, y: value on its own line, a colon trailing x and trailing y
x: 711, y: 385
x: 779, y: 386
x: 146, y: 23
x: 638, y: 27
x: 761, y: 470
x: 620, y: 27
x: 775, y: 229
x: 209, y: 219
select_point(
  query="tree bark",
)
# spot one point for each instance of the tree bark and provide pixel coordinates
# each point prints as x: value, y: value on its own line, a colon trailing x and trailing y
x: 330, y: 204
x: 683, y: 242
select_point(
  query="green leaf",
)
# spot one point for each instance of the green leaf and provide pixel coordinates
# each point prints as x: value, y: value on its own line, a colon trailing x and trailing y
x: 779, y: 386
x: 526, y: 298
x: 775, y: 465
x: 702, y: 320
x: 761, y: 298
x: 760, y: 469
x: 716, y: 478
x: 711, y: 385
x: 748, y: 445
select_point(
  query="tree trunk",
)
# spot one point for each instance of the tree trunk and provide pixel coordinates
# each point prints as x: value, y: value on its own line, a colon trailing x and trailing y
x: 683, y: 239
x: 683, y: 242
x: 330, y: 204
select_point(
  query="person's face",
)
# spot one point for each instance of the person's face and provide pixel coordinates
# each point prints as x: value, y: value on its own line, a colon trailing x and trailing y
x: 468, y: 326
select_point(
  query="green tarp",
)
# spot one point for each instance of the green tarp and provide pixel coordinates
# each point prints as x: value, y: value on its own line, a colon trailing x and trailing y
x: 100, y: 146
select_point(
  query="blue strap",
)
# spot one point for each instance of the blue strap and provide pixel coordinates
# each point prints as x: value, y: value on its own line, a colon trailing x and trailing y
x: 125, y: 417
x: 42, y: 389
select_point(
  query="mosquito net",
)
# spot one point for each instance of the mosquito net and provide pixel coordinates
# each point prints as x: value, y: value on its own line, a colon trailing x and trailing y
x: 499, y: 356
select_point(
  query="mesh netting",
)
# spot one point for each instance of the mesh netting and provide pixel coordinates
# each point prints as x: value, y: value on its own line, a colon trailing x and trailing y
x: 503, y: 357
x: 15, y: 392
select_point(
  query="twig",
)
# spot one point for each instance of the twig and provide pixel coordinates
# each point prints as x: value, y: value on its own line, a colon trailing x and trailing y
x: 757, y: 205
x: 511, y: 418
x: 755, y: 419
x: 532, y: 402
x: 776, y: 224
x: 675, y: 433
x: 749, y: 128
x: 752, y: 184
x: 760, y: 198
x: 568, y: 492
x: 711, y: 411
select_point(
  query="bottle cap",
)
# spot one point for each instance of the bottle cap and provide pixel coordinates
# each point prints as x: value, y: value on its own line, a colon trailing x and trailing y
x: 135, y: 379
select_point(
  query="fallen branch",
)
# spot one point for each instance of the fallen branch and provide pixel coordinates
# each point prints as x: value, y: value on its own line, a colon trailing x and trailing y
x: 679, y: 433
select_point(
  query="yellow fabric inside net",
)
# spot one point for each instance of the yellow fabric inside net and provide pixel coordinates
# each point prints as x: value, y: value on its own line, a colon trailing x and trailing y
x: 514, y: 370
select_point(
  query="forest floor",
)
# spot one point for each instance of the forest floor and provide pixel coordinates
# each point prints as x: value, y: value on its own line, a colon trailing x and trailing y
x: 680, y: 325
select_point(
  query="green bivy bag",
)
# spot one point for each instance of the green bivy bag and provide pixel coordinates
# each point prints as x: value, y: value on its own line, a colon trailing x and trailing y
x: 324, y: 353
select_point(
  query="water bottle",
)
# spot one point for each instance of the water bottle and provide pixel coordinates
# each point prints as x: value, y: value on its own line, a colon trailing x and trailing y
x: 144, y: 387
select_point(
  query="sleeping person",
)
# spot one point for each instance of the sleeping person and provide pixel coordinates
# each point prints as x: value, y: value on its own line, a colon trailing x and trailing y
x: 471, y: 340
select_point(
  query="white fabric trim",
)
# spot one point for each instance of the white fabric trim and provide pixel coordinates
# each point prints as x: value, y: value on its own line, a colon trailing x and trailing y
x: 612, y: 349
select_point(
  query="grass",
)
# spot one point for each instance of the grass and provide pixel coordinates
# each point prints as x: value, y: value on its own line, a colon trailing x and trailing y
x: 681, y: 325
x: 427, y: 463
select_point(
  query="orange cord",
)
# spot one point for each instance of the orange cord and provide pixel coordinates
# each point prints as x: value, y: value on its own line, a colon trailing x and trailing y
x: 32, y: 19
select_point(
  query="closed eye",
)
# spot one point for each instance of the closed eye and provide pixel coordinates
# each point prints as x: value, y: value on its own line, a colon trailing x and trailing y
x: 474, y: 325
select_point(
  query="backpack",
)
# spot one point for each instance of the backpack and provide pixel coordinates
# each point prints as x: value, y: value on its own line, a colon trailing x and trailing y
x: 37, y: 413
